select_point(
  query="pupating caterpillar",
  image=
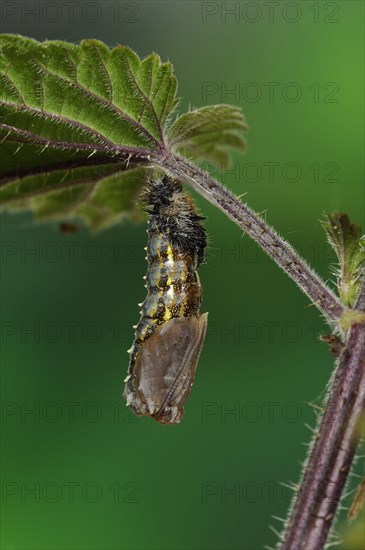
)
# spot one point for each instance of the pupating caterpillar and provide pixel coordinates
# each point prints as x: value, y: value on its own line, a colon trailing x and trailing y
x: 170, y: 333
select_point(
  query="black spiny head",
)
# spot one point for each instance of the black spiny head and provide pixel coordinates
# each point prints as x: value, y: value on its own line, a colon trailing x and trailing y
x: 176, y: 215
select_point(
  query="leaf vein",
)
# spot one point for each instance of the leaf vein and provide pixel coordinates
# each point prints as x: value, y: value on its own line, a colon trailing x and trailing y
x: 118, y: 152
x: 13, y: 85
x: 102, y: 139
x: 106, y: 73
x: 104, y: 103
x: 145, y: 98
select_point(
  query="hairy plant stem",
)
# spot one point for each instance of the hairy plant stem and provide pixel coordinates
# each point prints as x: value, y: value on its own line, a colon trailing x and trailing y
x: 336, y: 439
x: 333, y: 448
x: 253, y: 224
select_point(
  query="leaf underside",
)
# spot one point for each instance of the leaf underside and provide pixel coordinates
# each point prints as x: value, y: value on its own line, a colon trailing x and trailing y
x: 208, y: 133
x: 78, y: 124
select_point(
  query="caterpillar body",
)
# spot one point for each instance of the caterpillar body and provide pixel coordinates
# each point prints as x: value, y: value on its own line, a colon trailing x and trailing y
x: 170, y: 333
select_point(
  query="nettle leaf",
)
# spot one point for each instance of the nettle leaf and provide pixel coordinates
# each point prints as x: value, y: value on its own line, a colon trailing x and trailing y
x: 81, y: 124
x: 349, y: 244
x: 207, y: 133
x: 74, y: 123
x: 98, y: 195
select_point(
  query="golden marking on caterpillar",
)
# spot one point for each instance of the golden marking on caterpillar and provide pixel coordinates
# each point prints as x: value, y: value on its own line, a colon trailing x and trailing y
x: 170, y: 333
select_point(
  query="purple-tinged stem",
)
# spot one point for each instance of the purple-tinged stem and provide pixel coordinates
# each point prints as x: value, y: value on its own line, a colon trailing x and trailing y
x: 333, y: 450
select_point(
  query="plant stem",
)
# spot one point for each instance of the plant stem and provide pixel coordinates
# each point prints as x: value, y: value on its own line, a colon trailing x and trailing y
x: 333, y: 448
x: 253, y: 224
x: 336, y: 439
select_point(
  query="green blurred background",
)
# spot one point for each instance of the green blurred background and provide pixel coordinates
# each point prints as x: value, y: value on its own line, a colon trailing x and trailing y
x: 102, y: 479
